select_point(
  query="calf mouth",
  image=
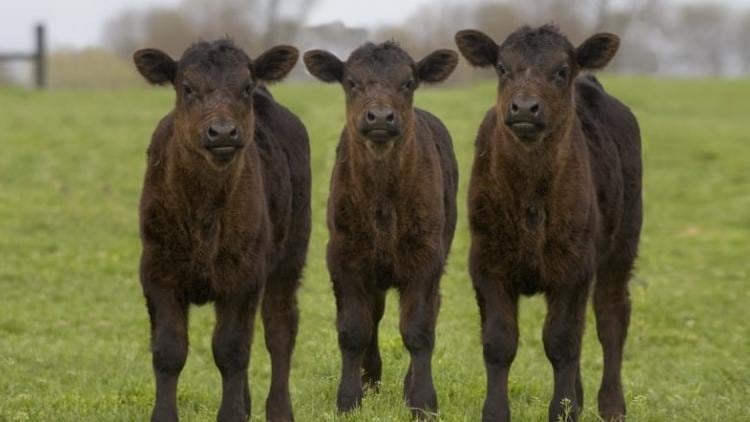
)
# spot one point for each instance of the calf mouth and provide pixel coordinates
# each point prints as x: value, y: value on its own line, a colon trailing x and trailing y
x: 380, y: 135
x: 526, y: 131
x: 224, y: 153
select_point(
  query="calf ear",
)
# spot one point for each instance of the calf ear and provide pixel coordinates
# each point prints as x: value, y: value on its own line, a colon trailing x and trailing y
x: 155, y: 65
x: 275, y: 63
x: 437, y: 66
x: 477, y: 47
x: 597, y: 50
x: 324, y: 65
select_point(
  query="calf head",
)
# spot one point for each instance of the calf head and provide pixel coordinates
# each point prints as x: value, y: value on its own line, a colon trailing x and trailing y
x: 536, y: 69
x: 379, y: 83
x: 214, y: 83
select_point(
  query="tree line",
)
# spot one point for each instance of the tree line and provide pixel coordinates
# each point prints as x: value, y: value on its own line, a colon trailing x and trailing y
x: 659, y: 37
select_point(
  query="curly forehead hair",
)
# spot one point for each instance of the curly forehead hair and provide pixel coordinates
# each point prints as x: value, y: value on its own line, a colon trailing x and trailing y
x: 534, y: 39
x: 220, y: 53
x: 379, y: 53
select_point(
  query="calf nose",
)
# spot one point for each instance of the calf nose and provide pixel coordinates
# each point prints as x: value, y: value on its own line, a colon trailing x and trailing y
x: 380, y: 116
x: 524, y: 108
x: 222, y: 132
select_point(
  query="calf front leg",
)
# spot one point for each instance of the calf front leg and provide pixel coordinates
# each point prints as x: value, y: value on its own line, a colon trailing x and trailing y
x: 233, y: 335
x: 373, y: 364
x: 354, y: 324
x: 420, y: 302
x: 280, y: 320
x: 498, y: 310
x: 169, y: 343
x: 563, y: 332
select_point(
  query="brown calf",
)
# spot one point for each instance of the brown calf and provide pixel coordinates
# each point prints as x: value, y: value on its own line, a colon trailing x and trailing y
x: 554, y: 202
x: 225, y: 217
x: 391, y: 211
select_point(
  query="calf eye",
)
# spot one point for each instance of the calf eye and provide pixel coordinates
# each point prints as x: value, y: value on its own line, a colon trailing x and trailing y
x: 562, y: 72
x: 408, y: 85
x: 186, y: 89
x: 351, y: 84
x: 248, y: 90
x: 501, y: 70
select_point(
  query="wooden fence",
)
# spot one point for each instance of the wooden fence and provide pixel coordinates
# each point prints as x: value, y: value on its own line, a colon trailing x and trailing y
x: 38, y: 57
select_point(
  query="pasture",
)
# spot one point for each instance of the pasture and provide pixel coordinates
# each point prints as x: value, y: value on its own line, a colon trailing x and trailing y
x: 73, y: 325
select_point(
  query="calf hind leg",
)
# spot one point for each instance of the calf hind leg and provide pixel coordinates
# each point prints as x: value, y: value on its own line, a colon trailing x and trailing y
x: 169, y: 343
x: 612, y: 309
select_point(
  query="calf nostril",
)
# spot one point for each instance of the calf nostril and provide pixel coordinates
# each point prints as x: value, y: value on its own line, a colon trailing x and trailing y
x: 514, y: 107
x: 370, y: 116
x: 535, y: 109
x: 390, y: 118
x: 212, y: 133
x: 233, y: 133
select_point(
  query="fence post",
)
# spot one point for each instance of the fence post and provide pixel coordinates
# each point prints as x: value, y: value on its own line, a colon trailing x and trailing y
x: 40, y: 58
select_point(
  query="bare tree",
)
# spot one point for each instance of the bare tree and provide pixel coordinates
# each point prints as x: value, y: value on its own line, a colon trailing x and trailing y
x: 285, y: 18
x: 601, y: 14
x: 253, y: 24
x: 497, y: 20
x: 124, y: 34
x: 743, y: 42
x: 703, y: 31
x: 169, y: 30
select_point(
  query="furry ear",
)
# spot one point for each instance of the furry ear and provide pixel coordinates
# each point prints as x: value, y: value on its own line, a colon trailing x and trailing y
x: 155, y: 65
x: 437, y: 66
x: 597, y: 51
x: 477, y: 47
x: 275, y: 63
x: 324, y: 65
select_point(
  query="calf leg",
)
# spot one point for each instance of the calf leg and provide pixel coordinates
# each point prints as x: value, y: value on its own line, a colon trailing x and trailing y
x: 419, y: 309
x: 612, y: 309
x: 579, y: 388
x: 354, y: 324
x: 563, y: 332
x: 280, y: 319
x: 169, y: 344
x: 499, y: 314
x: 233, y: 335
x: 372, y: 364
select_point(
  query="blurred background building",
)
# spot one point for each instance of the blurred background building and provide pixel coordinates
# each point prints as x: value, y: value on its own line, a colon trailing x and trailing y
x: 91, y: 42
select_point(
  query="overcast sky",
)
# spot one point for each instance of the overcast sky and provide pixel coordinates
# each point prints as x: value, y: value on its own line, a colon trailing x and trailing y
x: 79, y: 23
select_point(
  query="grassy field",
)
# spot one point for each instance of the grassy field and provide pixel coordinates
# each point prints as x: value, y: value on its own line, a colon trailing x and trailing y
x: 74, y: 328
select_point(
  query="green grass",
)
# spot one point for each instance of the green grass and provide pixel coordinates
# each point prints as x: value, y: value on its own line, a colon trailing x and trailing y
x: 74, y: 329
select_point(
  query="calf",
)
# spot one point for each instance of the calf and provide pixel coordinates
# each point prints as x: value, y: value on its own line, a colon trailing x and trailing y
x: 391, y: 212
x: 225, y: 217
x: 554, y: 202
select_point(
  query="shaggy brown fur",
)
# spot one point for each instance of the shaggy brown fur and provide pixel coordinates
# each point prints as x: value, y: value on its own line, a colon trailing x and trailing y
x: 554, y: 202
x: 225, y: 217
x: 391, y: 212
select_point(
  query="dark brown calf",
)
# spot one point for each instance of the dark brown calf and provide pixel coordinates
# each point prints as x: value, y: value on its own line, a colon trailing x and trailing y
x: 554, y: 203
x: 225, y: 217
x: 391, y: 212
